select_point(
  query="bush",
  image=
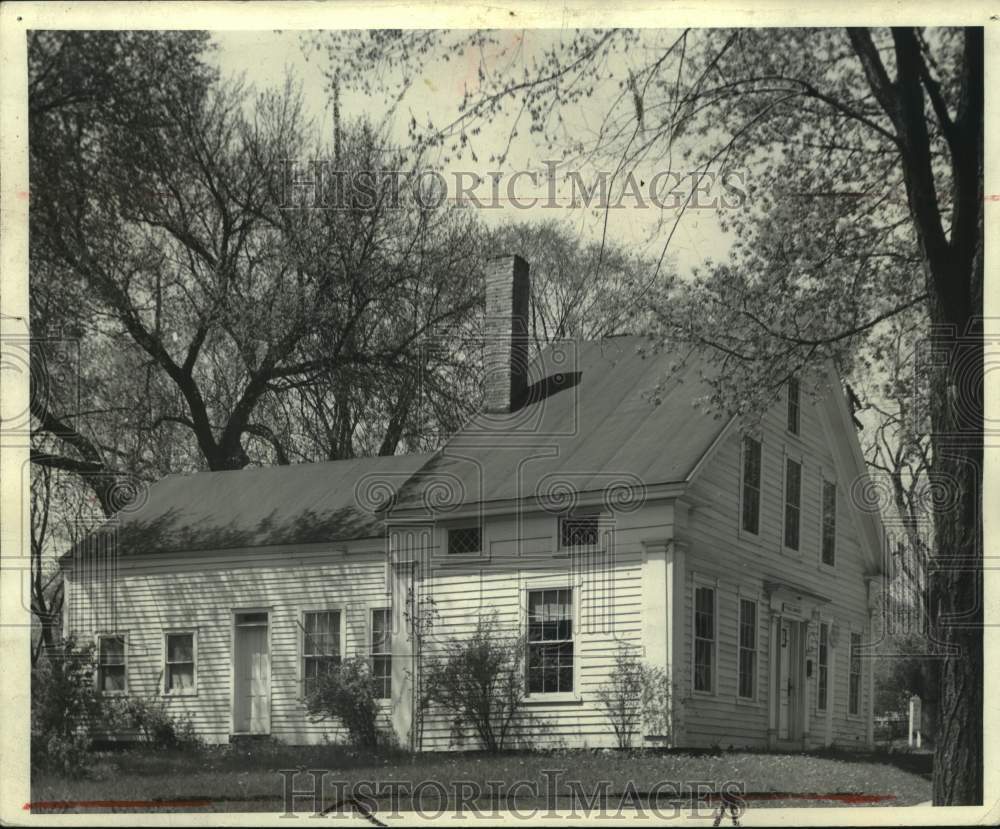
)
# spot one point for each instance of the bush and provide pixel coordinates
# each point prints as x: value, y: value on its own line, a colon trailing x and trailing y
x: 636, y: 695
x: 349, y: 693
x: 64, y: 707
x: 479, y: 680
x: 155, y: 724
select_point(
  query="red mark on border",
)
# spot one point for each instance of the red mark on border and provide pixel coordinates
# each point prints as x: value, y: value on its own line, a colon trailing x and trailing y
x: 851, y: 798
x: 840, y: 797
x: 117, y: 804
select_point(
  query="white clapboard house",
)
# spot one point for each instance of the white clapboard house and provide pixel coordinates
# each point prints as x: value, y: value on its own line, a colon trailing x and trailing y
x: 573, y: 507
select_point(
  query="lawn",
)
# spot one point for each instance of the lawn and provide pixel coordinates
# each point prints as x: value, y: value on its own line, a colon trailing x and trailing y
x: 249, y: 778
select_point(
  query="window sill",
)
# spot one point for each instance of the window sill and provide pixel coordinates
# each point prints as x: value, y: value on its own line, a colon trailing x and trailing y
x: 564, y: 697
x: 752, y: 703
x: 704, y: 694
x: 750, y: 538
x: 173, y: 694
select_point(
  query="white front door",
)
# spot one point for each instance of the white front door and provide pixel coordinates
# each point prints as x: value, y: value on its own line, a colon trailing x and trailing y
x: 784, y: 695
x: 251, y: 675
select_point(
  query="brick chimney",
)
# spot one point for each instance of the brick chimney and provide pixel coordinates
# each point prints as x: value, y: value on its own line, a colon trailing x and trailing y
x: 505, y: 352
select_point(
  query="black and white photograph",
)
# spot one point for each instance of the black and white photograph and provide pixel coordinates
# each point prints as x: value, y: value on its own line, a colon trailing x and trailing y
x: 549, y: 414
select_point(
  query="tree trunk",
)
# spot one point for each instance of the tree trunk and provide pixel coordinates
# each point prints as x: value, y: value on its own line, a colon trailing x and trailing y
x: 957, y: 583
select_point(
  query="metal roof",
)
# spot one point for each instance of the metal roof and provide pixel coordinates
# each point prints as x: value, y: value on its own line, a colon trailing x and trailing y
x: 263, y: 506
x: 591, y: 425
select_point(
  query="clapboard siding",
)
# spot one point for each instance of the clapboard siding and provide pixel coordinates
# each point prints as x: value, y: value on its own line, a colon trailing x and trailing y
x: 154, y: 594
x: 608, y: 591
x: 738, y: 564
x: 616, y: 591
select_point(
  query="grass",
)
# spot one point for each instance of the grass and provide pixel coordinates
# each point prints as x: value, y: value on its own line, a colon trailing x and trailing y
x: 247, y: 778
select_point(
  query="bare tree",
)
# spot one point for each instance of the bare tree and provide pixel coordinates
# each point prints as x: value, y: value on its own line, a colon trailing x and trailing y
x: 866, y: 200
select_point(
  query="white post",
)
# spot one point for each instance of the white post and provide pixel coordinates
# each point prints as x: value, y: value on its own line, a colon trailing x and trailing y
x: 914, y: 731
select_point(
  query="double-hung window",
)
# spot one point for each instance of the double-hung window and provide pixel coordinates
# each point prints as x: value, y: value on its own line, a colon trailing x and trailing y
x: 829, y: 541
x: 793, y: 502
x: 550, y: 640
x: 854, y: 689
x: 381, y: 652
x: 824, y: 666
x: 178, y: 670
x: 750, y: 519
x: 111, y: 671
x: 704, y: 639
x: 793, y: 406
x: 748, y: 649
x: 320, y: 645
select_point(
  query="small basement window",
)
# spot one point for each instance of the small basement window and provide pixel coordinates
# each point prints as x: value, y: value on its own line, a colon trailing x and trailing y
x: 578, y: 531
x: 465, y: 541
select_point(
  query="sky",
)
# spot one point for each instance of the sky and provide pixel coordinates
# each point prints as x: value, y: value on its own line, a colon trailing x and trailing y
x: 265, y: 58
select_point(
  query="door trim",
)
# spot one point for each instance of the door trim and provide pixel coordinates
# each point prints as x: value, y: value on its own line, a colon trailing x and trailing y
x: 796, y: 674
x: 233, y: 613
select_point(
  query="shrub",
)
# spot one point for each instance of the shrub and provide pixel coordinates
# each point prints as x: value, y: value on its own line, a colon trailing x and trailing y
x: 349, y: 693
x: 155, y: 724
x: 621, y: 696
x: 637, y: 695
x: 64, y: 707
x: 480, y: 681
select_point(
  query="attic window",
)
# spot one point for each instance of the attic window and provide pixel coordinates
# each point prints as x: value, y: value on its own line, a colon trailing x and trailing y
x: 465, y: 541
x: 793, y: 406
x: 578, y: 531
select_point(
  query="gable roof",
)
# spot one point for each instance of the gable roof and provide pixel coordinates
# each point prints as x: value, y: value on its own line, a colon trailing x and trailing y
x: 262, y: 506
x: 589, y: 425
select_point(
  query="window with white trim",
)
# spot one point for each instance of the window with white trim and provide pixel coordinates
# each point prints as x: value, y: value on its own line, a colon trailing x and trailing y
x: 854, y: 689
x: 381, y: 651
x: 704, y: 639
x: 747, y: 681
x: 793, y: 406
x: 111, y: 670
x: 550, y: 640
x: 829, y: 541
x: 750, y: 507
x: 578, y: 531
x: 320, y: 645
x: 465, y: 540
x: 179, y: 658
x: 823, y: 674
x: 793, y: 502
